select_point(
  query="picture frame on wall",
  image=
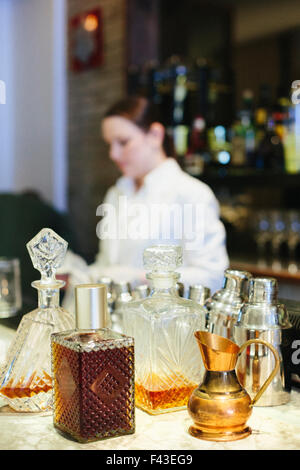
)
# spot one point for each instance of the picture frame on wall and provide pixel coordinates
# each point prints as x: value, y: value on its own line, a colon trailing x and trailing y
x: 86, y: 40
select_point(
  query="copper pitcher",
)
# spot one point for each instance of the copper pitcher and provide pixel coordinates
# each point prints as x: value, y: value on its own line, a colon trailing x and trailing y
x: 220, y: 407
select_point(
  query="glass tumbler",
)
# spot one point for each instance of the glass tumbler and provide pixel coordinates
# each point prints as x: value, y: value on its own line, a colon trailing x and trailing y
x: 10, y: 287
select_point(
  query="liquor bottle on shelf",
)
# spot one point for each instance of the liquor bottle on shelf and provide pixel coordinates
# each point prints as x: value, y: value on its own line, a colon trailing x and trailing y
x: 262, y: 121
x: 285, y: 120
x: 93, y: 373
x: 261, y: 124
x: 270, y: 151
x: 163, y: 84
x: 180, y: 112
x: 219, y: 146
x: 219, y: 99
x: 25, y: 381
x: 200, y: 76
x: 262, y: 112
x: 291, y: 141
x: 238, y: 148
x: 180, y: 135
x: 180, y: 96
x: 246, y: 118
x: 163, y: 326
x: 197, y: 155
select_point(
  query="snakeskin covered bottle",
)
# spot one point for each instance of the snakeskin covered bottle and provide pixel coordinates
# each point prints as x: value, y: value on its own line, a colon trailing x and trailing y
x: 93, y: 373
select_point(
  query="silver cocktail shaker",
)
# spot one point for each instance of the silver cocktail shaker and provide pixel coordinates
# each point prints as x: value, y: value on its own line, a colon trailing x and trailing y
x: 141, y: 292
x: 199, y: 293
x: 122, y: 294
x: 180, y: 289
x: 223, y: 307
x: 110, y: 295
x: 262, y: 317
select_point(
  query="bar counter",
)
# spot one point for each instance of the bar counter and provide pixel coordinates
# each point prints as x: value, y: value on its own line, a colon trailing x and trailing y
x: 273, y: 428
x: 283, y: 272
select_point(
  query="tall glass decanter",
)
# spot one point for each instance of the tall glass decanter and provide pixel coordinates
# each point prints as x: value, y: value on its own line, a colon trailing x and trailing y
x: 163, y: 325
x: 25, y: 379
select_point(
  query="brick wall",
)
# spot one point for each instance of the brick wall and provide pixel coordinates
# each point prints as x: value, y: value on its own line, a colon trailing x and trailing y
x: 89, y: 94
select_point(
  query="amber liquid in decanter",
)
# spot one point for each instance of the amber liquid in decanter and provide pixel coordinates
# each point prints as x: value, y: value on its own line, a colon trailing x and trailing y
x: 36, y: 384
x: 158, y: 394
x: 93, y: 389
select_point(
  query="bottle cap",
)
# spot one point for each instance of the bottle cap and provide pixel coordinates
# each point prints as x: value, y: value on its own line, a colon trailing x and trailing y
x: 91, y: 307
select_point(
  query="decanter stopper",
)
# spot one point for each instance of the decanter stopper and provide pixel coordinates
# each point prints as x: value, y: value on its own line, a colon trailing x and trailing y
x: 162, y: 258
x: 47, y: 251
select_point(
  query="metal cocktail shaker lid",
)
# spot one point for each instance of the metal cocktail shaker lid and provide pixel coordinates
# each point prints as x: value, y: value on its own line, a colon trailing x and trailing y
x: 122, y: 287
x: 223, y: 307
x: 180, y: 289
x: 233, y: 292
x: 262, y: 310
x: 109, y: 284
x: 199, y: 293
x: 263, y: 290
x: 122, y: 292
x: 91, y: 307
x: 141, y: 291
x: 237, y: 281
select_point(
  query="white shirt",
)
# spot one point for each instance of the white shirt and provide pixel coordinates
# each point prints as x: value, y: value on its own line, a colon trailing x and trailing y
x: 171, y: 207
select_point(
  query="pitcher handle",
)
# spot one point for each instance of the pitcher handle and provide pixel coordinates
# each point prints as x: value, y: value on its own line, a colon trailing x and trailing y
x: 273, y: 373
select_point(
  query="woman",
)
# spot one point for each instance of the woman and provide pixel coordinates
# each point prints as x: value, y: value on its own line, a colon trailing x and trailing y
x: 154, y: 201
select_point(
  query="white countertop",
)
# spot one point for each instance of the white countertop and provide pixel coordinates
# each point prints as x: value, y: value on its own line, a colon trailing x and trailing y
x: 273, y: 428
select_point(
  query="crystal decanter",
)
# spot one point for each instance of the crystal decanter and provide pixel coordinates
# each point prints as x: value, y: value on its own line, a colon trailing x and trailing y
x: 25, y: 379
x: 163, y: 326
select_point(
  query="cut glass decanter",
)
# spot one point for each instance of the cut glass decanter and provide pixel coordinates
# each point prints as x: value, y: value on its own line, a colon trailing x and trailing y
x: 25, y: 379
x: 163, y: 326
x: 93, y: 386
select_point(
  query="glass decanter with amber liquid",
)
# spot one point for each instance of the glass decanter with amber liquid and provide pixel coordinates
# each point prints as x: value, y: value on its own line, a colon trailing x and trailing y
x: 93, y: 372
x: 163, y: 325
x: 25, y: 379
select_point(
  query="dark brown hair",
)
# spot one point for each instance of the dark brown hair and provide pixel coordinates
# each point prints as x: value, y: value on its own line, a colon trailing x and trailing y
x: 142, y: 112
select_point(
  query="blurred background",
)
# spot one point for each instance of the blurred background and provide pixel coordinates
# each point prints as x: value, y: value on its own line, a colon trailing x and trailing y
x: 224, y: 74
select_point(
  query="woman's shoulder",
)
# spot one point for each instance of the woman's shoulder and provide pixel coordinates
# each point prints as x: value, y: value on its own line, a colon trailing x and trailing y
x: 192, y: 187
x: 110, y: 195
x: 117, y: 188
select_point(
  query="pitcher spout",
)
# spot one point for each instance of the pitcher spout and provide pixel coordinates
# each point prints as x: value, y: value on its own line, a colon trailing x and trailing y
x: 218, y: 353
